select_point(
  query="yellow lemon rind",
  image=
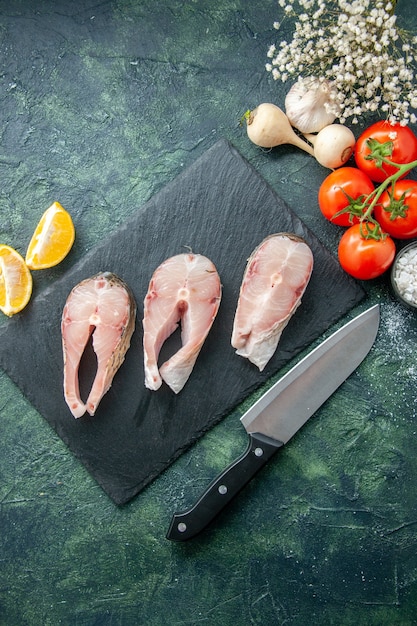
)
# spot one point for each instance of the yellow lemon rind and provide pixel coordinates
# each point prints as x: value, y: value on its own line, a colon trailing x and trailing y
x: 8, y: 254
x: 44, y: 230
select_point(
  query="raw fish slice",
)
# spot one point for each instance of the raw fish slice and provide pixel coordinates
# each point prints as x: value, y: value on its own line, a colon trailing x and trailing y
x: 184, y: 289
x: 276, y: 276
x: 104, y: 306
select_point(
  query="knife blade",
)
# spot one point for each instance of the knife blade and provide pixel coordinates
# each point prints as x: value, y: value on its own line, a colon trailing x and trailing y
x: 277, y: 415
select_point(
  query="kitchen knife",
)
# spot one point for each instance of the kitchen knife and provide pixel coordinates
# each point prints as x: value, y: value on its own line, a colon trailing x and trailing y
x: 280, y: 413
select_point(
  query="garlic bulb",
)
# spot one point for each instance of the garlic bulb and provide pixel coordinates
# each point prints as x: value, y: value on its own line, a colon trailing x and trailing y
x: 311, y: 104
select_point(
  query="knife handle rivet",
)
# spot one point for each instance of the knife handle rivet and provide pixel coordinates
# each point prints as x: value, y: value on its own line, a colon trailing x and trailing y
x: 182, y: 527
x: 222, y: 490
x: 258, y: 452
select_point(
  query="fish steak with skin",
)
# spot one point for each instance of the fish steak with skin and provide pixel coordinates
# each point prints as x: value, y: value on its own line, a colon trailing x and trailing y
x: 104, y: 307
x: 276, y: 276
x: 184, y: 290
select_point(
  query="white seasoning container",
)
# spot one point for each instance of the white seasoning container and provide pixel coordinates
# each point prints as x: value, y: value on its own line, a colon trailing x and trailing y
x: 404, y: 275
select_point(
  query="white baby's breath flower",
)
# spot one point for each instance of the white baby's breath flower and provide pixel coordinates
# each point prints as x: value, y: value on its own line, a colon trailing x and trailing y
x: 357, y: 46
x: 271, y: 51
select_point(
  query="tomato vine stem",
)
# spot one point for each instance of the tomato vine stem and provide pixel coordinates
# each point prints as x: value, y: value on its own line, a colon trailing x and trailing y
x: 379, y: 153
x: 374, y: 196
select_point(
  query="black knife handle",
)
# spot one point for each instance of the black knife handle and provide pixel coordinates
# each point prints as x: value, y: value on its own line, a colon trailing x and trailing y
x: 220, y: 492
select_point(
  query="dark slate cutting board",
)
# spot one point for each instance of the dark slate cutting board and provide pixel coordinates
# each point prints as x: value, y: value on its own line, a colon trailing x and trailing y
x: 219, y: 207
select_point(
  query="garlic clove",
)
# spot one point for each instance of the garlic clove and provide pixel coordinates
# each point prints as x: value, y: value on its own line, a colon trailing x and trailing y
x: 311, y: 104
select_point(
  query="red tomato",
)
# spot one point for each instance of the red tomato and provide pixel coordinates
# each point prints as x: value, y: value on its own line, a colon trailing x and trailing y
x: 396, y: 211
x: 344, y: 187
x: 399, y: 145
x: 365, y: 258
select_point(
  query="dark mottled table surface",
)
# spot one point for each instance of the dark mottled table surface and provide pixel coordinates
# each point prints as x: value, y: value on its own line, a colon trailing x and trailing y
x: 101, y: 105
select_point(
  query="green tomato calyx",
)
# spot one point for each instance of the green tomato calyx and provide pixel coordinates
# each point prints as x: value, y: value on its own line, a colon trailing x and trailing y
x: 379, y: 151
x: 370, y: 229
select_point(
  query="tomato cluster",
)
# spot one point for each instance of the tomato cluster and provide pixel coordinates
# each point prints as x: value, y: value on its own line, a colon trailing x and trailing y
x: 373, y: 200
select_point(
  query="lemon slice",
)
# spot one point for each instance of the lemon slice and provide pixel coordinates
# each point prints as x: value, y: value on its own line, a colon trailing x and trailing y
x: 15, y: 281
x: 52, y: 239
